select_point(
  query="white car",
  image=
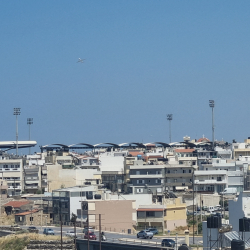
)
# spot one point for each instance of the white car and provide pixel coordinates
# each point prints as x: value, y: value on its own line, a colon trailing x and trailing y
x: 71, y: 234
x: 145, y: 234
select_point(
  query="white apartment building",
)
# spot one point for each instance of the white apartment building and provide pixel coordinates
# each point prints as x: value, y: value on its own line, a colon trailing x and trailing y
x: 210, y: 180
x: 11, y: 170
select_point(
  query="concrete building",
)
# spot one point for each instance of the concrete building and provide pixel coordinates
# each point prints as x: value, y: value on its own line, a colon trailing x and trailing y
x: 146, y: 178
x: 68, y: 200
x: 11, y: 170
x: 59, y: 177
x: 167, y: 216
x: 115, y: 215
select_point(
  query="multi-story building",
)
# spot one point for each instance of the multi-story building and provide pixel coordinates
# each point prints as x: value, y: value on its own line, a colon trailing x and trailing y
x: 68, y: 200
x: 167, y: 216
x: 146, y: 178
x: 179, y: 176
x: 112, y: 215
x: 11, y: 170
x: 32, y: 179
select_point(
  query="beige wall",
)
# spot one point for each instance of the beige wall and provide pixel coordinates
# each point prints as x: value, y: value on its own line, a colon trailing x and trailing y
x: 58, y: 177
x: 176, y: 214
x: 116, y: 215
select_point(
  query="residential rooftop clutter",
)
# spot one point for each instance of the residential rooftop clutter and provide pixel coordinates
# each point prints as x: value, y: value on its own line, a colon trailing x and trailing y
x: 152, y: 184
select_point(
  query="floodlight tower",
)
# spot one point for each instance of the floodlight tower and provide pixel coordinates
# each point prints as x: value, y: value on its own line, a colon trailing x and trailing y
x: 17, y: 111
x: 29, y: 122
x: 211, y: 105
x: 169, y: 118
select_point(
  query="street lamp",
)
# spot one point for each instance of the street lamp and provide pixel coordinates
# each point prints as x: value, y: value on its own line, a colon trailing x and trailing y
x: 169, y: 118
x: 211, y: 105
x: 17, y: 111
x: 29, y: 122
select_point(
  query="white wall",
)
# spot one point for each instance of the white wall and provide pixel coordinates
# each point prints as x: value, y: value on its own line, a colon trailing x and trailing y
x: 109, y: 162
x: 140, y: 199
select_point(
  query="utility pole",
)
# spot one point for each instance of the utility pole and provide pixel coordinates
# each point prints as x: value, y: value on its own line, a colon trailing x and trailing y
x: 17, y: 111
x: 100, y: 231
x: 29, y: 122
x: 211, y: 105
x: 14, y: 186
x: 169, y: 118
x: 88, y: 228
x: 60, y: 203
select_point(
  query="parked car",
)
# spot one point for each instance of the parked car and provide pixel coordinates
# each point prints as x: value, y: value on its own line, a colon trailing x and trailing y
x: 88, y: 229
x: 48, y: 231
x: 153, y: 230
x: 71, y: 234
x: 16, y: 226
x: 90, y: 235
x: 145, y: 234
x: 229, y: 191
x: 217, y: 208
x: 204, y: 208
x: 168, y: 243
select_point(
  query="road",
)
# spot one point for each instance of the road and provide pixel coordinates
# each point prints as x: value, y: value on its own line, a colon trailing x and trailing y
x: 118, y: 237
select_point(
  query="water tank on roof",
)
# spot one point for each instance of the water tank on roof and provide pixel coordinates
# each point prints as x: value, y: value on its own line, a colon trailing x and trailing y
x: 98, y: 196
x: 139, y: 157
x: 237, y: 245
x: 217, y: 222
x: 209, y: 222
x: 244, y: 224
x: 89, y: 196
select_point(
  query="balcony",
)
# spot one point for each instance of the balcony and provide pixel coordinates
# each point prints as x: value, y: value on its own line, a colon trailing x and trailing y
x: 149, y: 219
x: 178, y: 184
x: 179, y: 175
x: 12, y: 187
x: 202, y: 182
x: 31, y: 187
x: 153, y: 176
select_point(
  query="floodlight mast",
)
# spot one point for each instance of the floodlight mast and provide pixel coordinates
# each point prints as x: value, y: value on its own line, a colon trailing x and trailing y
x: 17, y: 111
x: 29, y: 122
x: 211, y: 105
x: 169, y: 118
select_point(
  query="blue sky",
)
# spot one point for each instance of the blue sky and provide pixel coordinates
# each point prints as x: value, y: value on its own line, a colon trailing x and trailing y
x: 144, y: 59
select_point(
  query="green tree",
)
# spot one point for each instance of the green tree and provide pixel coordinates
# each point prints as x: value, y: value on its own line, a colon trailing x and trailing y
x: 200, y: 227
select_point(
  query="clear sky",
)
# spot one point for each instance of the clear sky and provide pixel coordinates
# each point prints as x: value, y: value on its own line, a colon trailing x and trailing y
x: 144, y: 60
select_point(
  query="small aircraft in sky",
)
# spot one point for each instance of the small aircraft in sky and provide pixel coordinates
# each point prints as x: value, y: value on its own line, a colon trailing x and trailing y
x: 80, y: 60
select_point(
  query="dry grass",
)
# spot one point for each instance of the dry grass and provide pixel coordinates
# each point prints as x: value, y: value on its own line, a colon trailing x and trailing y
x: 20, y: 241
x: 7, y: 219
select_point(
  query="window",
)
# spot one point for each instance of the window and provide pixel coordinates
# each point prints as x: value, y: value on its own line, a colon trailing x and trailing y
x: 189, y: 171
x: 183, y: 171
x: 137, y: 172
x: 158, y: 181
x: 140, y: 181
x: 168, y: 171
x: 139, y: 190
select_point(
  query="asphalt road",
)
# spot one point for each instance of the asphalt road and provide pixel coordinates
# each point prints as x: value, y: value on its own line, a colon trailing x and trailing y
x: 118, y: 237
